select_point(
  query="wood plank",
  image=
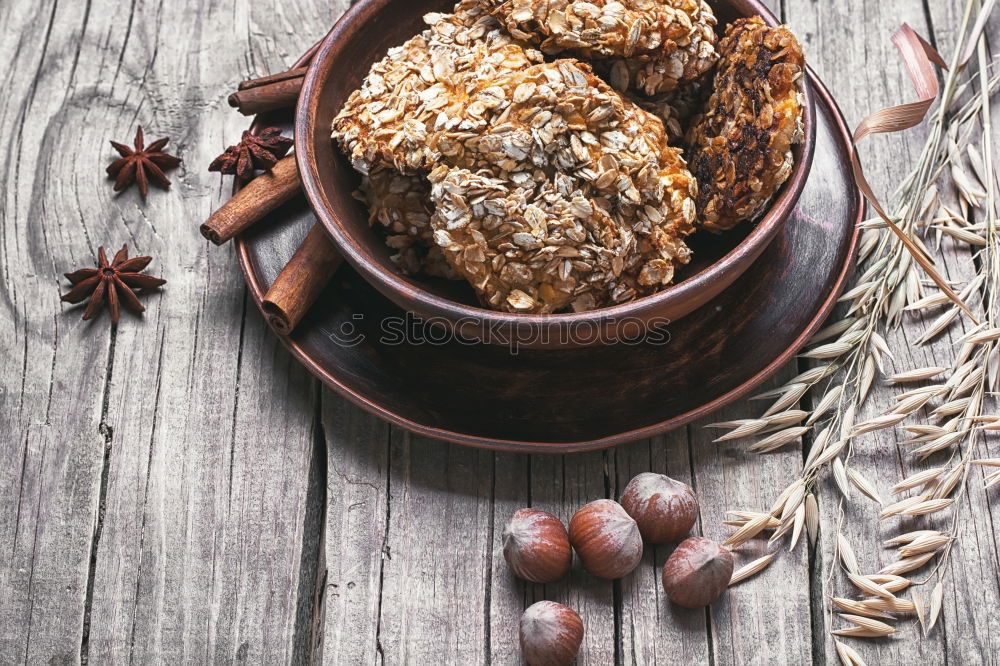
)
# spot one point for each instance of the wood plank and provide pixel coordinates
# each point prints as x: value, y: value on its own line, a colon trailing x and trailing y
x: 748, y: 624
x: 886, y: 85
x: 970, y: 582
x: 356, y: 544
x: 205, y: 544
x: 509, y: 596
x: 206, y: 555
x: 561, y: 485
x: 384, y: 503
x: 751, y: 623
x: 52, y: 380
x: 438, y: 572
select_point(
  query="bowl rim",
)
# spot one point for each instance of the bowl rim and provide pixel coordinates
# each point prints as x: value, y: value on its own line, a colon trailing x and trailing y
x: 431, y: 305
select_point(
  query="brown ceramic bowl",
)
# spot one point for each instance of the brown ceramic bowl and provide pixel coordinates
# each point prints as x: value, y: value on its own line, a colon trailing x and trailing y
x: 361, y: 37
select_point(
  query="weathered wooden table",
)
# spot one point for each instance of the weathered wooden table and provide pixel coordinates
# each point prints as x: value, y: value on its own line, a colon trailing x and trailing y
x: 179, y: 490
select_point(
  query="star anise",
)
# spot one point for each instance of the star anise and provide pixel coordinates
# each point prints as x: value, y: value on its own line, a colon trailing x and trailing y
x: 115, y: 283
x: 141, y: 164
x: 260, y: 151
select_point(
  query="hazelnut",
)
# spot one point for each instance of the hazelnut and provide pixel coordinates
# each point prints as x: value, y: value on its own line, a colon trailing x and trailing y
x: 606, y: 539
x: 550, y: 634
x: 664, y: 508
x: 536, y: 546
x: 697, y: 573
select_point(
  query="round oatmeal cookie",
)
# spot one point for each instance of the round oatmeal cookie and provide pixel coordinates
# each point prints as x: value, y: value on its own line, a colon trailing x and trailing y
x: 423, y: 87
x: 740, y: 148
x: 533, y: 247
x: 645, y: 45
x: 401, y: 206
x: 560, y: 119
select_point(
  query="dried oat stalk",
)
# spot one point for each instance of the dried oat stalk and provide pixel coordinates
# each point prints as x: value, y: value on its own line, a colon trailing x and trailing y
x: 950, y: 196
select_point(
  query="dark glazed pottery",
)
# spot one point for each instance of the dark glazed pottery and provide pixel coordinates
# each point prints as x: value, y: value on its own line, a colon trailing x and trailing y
x: 564, y: 400
x: 363, y: 36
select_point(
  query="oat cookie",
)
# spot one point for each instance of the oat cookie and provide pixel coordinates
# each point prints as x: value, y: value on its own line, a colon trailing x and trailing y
x: 422, y: 88
x: 647, y: 45
x: 401, y: 206
x: 551, y: 130
x: 530, y: 248
x: 593, y: 172
x: 740, y: 149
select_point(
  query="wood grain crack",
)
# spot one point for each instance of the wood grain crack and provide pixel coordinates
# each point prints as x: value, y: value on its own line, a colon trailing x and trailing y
x: 385, y: 552
x: 108, y: 434
x: 76, y: 54
x: 310, y: 596
x: 236, y: 397
x: 488, y: 592
x: 31, y: 573
x: 124, y: 47
x: 145, y: 500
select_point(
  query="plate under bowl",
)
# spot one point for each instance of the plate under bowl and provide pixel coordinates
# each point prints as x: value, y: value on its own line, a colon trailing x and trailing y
x: 575, y: 399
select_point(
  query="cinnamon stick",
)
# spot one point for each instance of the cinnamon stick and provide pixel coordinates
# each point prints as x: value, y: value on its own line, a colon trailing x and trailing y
x: 260, y: 196
x: 298, y: 72
x: 268, y: 93
x: 300, y: 282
